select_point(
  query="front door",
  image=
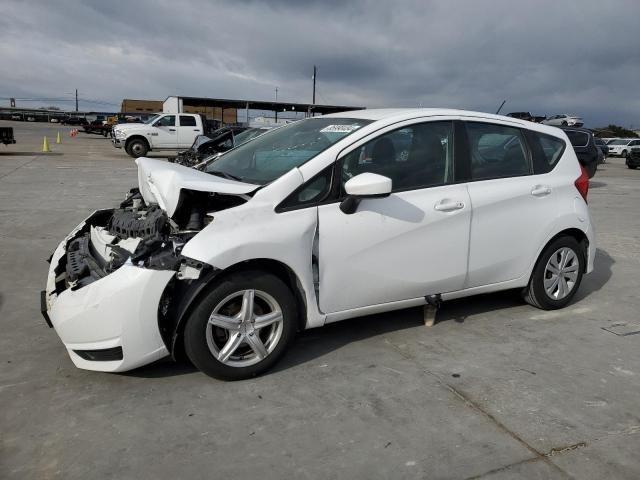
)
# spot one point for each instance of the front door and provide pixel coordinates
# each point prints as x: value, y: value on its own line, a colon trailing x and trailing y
x: 165, y: 134
x: 408, y: 245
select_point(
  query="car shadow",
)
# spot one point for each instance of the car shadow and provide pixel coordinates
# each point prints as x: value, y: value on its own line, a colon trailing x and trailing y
x: 602, y: 272
x: 315, y: 343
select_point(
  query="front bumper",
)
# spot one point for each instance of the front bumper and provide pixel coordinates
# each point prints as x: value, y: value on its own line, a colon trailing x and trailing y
x: 118, y: 311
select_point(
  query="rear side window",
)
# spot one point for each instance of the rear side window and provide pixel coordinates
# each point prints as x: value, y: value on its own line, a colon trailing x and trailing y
x: 546, y: 150
x: 577, y: 138
x: 496, y: 151
x: 187, y: 121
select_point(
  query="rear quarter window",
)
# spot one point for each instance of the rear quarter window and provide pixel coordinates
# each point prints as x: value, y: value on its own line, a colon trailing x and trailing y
x: 546, y: 150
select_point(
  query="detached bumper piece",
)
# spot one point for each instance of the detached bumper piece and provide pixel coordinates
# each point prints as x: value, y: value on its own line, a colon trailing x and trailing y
x: 102, y: 355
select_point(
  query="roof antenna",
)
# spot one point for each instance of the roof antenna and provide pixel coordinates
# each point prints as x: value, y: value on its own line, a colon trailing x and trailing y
x: 501, y: 105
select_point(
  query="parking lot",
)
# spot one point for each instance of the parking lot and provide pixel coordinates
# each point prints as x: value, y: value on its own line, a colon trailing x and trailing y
x: 496, y: 389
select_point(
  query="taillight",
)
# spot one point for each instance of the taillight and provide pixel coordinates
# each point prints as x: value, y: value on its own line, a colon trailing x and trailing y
x: 582, y: 183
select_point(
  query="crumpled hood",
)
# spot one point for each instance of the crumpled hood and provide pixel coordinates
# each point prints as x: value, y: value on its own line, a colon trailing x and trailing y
x: 160, y: 183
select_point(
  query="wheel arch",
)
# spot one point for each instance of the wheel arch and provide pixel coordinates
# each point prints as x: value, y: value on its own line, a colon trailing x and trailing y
x: 136, y: 137
x: 180, y: 298
x: 579, y: 235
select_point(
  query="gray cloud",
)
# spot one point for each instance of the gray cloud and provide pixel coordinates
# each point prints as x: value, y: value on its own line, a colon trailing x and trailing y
x: 544, y: 56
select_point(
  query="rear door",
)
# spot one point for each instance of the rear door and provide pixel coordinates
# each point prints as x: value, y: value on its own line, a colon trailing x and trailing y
x: 188, y: 130
x: 512, y: 207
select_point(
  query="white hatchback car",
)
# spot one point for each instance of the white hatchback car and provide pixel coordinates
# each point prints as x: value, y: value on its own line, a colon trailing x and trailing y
x: 318, y: 221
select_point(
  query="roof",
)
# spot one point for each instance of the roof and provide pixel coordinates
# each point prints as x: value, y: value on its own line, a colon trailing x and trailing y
x: 401, y: 114
x: 261, y: 105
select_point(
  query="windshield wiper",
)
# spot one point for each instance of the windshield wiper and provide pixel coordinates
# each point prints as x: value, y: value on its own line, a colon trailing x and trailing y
x: 226, y: 175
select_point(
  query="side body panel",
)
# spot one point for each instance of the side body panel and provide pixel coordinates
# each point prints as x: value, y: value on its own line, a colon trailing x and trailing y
x: 393, y: 248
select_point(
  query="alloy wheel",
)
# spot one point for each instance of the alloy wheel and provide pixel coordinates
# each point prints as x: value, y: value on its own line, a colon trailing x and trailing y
x: 244, y: 328
x: 561, y: 273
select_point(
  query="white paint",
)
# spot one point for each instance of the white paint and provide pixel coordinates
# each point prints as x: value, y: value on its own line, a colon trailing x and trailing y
x: 389, y: 254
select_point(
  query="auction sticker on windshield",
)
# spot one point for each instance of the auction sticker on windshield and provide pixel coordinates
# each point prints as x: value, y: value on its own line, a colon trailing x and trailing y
x: 339, y: 128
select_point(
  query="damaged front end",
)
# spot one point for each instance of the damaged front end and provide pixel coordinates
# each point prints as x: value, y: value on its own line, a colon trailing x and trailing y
x: 117, y: 281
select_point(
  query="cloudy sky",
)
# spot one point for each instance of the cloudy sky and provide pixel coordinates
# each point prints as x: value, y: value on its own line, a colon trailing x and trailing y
x: 545, y: 56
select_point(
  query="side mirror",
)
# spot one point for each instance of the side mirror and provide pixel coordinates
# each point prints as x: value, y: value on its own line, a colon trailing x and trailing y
x: 365, y: 185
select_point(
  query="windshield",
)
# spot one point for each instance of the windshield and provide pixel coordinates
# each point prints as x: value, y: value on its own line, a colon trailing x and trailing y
x: 619, y: 142
x: 151, y: 119
x: 274, y: 153
x: 247, y: 135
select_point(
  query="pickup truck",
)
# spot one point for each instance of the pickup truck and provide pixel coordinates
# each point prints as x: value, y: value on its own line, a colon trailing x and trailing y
x: 165, y: 131
x: 6, y: 135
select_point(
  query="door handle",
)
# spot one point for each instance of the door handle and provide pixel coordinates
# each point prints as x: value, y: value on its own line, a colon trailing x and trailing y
x: 196, y: 129
x: 540, y: 190
x: 448, y: 205
x: 172, y: 129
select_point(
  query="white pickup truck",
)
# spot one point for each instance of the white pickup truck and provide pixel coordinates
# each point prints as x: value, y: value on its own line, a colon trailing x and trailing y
x: 165, y: 131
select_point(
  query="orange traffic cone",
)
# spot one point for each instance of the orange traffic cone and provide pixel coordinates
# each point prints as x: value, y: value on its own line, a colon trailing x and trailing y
x: 45, y: 145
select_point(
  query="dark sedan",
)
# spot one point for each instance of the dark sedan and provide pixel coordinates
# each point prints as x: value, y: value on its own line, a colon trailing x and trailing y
x: 584, y: 145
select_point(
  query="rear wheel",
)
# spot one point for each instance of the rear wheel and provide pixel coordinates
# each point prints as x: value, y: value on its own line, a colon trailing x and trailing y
x: 242, y: 326
x: 564, y: 123
x: 557, y: 274
x: 137, y: 148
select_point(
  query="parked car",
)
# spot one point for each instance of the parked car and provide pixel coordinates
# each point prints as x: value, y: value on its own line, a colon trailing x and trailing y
x: 622, y: 146
x: 526, y: 116
x: 583, y: 142
x: 604, y: 148
x: 633, y: 158
x: 31, y: 118
x: 203, y: 146
x: 74, y: 120
x: 160, y: 132
x: 564, y: 120
x: 17, y: 116
x: 97, y: 127
x: 322, y: 220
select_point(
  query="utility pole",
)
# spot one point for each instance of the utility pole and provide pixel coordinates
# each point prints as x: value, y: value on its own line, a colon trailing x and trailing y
x: 314, y: 85
x: 76, y: 100
x: 276, y: 94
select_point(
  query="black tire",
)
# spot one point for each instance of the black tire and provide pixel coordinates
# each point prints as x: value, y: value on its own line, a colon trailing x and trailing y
x: 535, y: 293
x: 564, y: 124
x: 196, y: 331
x: 632, y: 167
x: 137, y: 148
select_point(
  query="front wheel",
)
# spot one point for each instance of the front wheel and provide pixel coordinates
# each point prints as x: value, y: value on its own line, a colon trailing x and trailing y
x: 564, y: 124
x: 632, y: 167
x: 557, y: 274
x: 242, y: 326
x: 137, y: 148
x: 624, y: 154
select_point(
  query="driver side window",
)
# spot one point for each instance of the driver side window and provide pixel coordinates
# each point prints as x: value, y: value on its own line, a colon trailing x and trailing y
x: 166, y: 121
x: 415, y: 156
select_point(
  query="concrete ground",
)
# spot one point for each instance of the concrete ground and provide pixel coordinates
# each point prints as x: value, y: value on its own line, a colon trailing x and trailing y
x: 495, y: 390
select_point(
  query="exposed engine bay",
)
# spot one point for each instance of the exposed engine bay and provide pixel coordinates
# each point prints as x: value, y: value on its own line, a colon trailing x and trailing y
x: 140, y: 234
